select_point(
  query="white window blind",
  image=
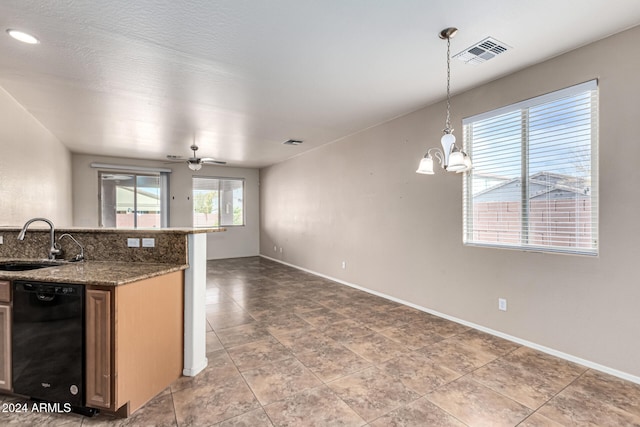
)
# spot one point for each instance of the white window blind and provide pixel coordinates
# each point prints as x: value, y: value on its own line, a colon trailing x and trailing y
x: 534, y: 182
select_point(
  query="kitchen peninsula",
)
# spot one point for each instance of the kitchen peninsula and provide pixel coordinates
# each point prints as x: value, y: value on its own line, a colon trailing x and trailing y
x: 144, y: 305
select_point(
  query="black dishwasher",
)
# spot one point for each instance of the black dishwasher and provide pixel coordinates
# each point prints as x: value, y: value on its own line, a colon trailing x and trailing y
x: 48, y: 341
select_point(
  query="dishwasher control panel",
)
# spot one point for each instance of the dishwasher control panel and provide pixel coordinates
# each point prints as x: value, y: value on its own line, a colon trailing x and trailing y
x: 49, y: 288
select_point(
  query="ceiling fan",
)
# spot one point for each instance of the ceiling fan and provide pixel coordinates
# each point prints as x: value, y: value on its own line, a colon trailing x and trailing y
x: 195, y: 162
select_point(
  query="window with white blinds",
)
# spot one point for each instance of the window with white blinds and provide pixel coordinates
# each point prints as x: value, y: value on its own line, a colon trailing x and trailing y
x: 534, y: 182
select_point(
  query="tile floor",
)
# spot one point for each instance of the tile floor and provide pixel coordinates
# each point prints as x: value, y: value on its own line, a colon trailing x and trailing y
x: 287, y: 348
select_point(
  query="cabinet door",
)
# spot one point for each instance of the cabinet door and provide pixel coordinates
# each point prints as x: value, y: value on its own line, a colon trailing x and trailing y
x: 98, y: 348
x: 5, y: 347
x: 5, y: 291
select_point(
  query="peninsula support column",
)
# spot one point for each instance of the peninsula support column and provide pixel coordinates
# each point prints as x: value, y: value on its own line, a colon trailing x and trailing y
x: 195, y: 287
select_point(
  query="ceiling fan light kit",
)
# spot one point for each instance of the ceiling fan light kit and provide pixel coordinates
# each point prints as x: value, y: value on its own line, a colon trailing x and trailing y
x: 450, y: 158
x: 194, y: 166
x: 194, y: 163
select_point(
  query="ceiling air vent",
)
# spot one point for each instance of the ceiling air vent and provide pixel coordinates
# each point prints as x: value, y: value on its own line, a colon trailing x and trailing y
x: 482, y: 51
x: 292, y: 142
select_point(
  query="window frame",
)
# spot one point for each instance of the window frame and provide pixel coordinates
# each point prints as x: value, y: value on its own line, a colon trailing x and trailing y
x: 219, y: 179
x: 525, y: 219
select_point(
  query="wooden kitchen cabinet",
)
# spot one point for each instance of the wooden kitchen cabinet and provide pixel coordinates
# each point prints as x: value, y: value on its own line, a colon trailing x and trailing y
x: 98, y: 348
x: 5, y: 335
x: 5, y: 346
x: 134, y: 341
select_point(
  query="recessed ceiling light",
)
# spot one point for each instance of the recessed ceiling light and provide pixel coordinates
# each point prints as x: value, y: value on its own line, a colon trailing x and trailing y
x: 22, y: 36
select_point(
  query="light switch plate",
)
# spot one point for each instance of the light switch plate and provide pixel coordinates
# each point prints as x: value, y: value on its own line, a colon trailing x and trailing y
x: 148, y: 243
x: 133, y: 243
x: 1, y: 240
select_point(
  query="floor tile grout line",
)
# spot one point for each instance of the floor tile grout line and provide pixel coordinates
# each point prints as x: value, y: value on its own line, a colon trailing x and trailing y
x: 468, y: 374
x: 443, y: 385
x: 556, y: 394
x: 444, y: 410
x: 533, y: 411
x: 173, y: 404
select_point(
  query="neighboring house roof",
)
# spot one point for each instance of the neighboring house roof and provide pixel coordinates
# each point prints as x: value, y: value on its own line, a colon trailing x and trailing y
x: 147, y: 201
x: 541, y: 185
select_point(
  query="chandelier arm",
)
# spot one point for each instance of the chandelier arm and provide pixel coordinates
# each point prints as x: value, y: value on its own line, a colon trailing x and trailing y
x: 437, y: 153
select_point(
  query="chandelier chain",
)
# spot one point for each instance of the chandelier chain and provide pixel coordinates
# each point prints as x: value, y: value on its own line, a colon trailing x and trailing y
x: 447, y: 125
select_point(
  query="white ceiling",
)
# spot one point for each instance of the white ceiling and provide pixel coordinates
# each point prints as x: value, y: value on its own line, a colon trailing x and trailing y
x: 140, y: 78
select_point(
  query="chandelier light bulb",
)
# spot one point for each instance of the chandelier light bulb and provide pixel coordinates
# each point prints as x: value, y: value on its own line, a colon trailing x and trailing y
x: 456, y: 162
x: 426, y: 166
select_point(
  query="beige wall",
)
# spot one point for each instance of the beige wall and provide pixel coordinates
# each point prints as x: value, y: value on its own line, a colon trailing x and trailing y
x: 235, y: 242
x: 35, y: 169
x: 360, y: 201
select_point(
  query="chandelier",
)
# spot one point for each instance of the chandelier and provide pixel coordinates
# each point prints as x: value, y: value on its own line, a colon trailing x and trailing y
x: 450, y: 158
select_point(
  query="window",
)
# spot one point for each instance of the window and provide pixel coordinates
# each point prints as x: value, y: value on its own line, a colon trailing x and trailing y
x: 534, y: 183
x: 218, y: 202
x: 131, y: 200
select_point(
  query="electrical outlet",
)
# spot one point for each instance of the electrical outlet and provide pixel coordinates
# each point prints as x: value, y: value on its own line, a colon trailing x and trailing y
x: 344, y: 265
x: 1, y: 240
x: 148, y: 243
x: 133, y: 243
x: 275, y: 248
x: 280, y: 249
x: 502, y: 304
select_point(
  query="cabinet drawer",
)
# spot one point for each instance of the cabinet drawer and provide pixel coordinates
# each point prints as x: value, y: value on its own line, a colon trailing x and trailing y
x: 5, y: 291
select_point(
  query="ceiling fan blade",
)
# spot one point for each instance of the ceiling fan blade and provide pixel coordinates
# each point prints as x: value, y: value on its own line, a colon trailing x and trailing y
x: 173, y: 158
x: 210, y: 161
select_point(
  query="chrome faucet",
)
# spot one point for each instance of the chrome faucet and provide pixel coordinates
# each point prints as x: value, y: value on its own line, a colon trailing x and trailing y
x: 78, y: 257
x: 53, y: 251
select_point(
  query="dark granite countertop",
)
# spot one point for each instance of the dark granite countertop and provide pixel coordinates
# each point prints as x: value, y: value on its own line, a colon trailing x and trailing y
x: 103, y: 273
x: 128, y: 231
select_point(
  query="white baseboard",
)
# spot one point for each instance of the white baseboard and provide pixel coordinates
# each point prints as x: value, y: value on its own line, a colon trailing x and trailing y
x: 192, y: 372
x: 541, y: 348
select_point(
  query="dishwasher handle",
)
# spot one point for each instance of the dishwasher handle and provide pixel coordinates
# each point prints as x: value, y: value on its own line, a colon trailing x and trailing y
x: 45, y: 297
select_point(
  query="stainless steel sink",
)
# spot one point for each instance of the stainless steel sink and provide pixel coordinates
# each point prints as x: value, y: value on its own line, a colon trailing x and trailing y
x: 27, y: 265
